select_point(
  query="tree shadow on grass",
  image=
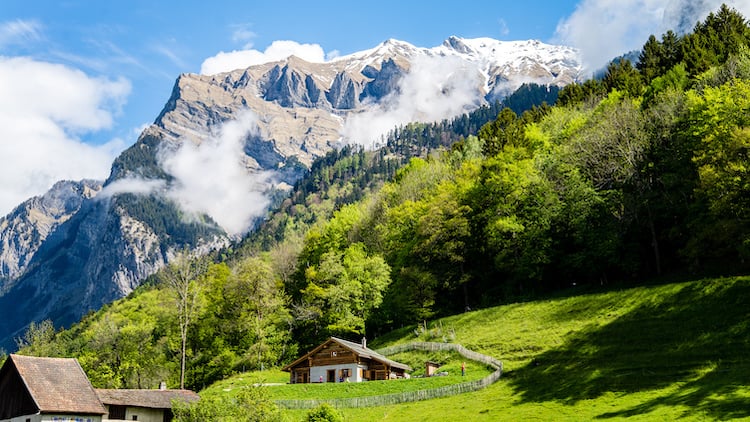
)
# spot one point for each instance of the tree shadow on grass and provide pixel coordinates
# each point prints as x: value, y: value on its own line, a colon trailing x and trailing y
x: 713, y: 393
x: 695, y: 338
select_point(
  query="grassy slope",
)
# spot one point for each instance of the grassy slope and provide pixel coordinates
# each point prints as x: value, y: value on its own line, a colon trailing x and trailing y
x: 648, y: 353
x: 451, y: 364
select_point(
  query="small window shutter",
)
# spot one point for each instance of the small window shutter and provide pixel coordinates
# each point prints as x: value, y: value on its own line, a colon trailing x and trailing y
x: 117, y: 412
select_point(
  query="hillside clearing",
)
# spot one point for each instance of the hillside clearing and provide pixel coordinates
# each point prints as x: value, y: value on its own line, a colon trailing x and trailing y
x: 451, y: 365
x: 656, y: 352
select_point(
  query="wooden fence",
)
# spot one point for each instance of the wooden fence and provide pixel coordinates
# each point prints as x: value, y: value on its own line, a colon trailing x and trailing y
x: 409, y: 396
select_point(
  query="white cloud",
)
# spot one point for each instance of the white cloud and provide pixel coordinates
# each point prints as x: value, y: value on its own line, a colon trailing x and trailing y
x: 435, y: 88
x: 132, y: 185
x: 504, y: 30
x: 43, y: 108
x: 19, y: 31
x: 278, y: 50
x: 212, y: 178
x: 605, y: 29
x: 242, y: 34
x: 682, y: 15
x: 333, y: 54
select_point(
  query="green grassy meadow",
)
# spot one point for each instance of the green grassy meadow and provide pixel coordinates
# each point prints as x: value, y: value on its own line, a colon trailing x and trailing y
x: 663, y: 352
x: 451, y: 364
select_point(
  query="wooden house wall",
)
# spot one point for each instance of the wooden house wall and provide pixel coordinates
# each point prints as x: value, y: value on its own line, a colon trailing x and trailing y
x: 333, y: 354
x: 15, y: 399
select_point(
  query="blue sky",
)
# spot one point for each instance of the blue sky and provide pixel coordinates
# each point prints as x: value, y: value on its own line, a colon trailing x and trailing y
x: 151, y: 42
x: 79, y: 79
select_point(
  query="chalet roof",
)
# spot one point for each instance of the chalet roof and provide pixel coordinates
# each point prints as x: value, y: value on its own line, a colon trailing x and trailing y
x: 369, y: 353
x: 57, y: 385
x: 153, y: 399
x: 357, y: 349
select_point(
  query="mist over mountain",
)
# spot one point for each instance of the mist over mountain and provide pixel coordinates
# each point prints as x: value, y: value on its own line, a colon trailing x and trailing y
x: 202, y: 174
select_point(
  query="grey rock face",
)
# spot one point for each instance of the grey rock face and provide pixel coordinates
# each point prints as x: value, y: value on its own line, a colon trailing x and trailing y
x: 100, y: 254
x: 289, y: 88
x: 458, y: 44
x: 344, y: 93
x: 24, y: 230
x: 384, y: 81
x: 263, y: 152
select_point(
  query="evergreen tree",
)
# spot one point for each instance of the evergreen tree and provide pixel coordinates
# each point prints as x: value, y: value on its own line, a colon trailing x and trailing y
x: 650, y: 60
x: 622, y: 76
x: 714, y: 40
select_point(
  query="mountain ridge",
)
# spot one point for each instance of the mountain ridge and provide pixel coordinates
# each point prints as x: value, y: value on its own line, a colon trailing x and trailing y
x: 299, y: 111
x: 24, y: 229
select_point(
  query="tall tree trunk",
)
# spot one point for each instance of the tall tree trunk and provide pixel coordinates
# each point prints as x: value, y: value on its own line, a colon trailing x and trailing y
x: 183, y: 334
x: 181, y: 277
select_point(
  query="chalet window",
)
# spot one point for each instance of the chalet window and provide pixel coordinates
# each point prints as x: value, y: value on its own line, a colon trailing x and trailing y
x: 117, y: 412
x: 135, y: 417
x: 333, y: 353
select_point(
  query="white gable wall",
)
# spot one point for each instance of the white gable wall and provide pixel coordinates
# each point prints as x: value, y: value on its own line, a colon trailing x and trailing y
x: 320, y: 372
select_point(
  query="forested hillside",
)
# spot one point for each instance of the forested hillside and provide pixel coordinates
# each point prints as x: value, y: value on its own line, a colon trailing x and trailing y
x: 638, y: 175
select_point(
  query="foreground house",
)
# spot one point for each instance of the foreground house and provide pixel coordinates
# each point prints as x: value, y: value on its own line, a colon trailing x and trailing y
x: 34, y: 389
x: 338, y: 360
x: 142, y: 405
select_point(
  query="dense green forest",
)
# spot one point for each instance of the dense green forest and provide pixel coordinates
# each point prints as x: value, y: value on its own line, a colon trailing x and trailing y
x: 637, y: 175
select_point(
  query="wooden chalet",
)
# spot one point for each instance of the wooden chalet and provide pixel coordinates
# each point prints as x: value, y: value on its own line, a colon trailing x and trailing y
x: 34, y: 389
x: 338, y: 360
x: 142, y: 405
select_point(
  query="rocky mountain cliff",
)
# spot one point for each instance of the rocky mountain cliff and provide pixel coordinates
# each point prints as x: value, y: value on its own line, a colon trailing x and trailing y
x: 26, y: 228
x: 301, y: 106
x: 85, y: 244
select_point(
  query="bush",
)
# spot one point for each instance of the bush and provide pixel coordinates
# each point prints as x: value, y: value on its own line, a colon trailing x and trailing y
x: 324, y: 413
x: 250, y: 405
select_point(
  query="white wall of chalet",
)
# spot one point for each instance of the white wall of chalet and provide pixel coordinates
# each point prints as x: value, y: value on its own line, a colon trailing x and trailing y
x: 318, y: 373
x: 142, y: 414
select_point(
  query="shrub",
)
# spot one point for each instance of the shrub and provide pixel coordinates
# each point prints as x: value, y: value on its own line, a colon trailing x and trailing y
x: 324, y: 413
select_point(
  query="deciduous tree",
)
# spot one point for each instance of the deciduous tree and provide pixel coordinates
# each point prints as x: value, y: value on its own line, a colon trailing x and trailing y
x: 181, y: 277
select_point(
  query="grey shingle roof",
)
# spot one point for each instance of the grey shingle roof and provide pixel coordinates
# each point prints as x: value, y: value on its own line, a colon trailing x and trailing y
x: 58, y: 385
x: 153, y: 399
x: 369, y: 353
x: 357, y: 349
